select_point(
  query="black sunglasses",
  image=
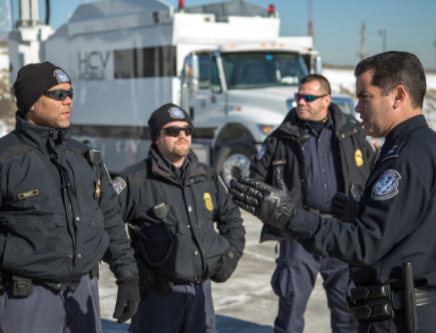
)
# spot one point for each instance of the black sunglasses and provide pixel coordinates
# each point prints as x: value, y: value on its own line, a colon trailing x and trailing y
x: 307, y: 98
x: 175, y: 131
x: 59, y: 94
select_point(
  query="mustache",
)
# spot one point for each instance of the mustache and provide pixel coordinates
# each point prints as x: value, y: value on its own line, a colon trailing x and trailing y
x: 181, y: 141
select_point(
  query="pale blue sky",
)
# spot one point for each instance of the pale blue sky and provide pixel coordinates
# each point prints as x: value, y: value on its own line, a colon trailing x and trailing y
x: 337, y: 24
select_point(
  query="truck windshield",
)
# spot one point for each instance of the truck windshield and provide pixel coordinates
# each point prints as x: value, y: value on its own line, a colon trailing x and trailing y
x: 247, y: 70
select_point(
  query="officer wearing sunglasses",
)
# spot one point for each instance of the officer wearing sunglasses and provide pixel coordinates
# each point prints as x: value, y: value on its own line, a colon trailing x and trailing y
x: 171, y: 202
x: 322, y: 151
x: 58, y: 217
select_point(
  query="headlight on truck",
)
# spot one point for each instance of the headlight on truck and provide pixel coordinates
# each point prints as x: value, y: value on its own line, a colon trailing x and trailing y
x: 266, y: 129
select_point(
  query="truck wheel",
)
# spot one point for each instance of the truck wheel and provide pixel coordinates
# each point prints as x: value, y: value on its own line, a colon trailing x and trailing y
x: 234, y: 160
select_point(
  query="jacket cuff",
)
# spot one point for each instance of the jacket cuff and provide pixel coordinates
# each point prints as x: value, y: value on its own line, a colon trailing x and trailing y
x: 300, y: 225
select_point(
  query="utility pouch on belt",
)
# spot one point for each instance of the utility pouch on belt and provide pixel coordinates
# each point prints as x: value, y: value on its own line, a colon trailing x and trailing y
x: 164, y: 287
x: 95, y: 272
x: 370, y: 303
x: 2, y: 283
x: 22, y: 287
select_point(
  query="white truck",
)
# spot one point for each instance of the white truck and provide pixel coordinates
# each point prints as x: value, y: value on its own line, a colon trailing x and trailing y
x: 223, y: 63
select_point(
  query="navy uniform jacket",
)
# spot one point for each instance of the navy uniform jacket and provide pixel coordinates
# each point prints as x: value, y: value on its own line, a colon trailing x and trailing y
x: 396, y: 220
x: 194, y: 205
x: 283, y: 148
x: 56, y: 222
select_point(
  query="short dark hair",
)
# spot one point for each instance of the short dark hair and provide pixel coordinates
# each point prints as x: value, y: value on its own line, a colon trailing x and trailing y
x: 325, y: 84
x: 392, y: 69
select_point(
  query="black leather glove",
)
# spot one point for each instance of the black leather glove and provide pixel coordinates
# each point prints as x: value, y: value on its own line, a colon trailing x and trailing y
x: 127, y: 299
x: 271, y: 205
x: 224, y: 267
x: 146, y: 278
x: 344, y: 206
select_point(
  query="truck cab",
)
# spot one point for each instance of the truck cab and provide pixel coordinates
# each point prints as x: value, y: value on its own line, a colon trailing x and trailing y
x: 225, y: 63
x: 238, y: 94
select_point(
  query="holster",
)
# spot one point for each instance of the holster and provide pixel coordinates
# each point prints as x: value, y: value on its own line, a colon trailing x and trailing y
x: 379, y: 302
x: 164, y: 287
x: 95, y: 272
x: 3, y: 283
x: 23, y: 287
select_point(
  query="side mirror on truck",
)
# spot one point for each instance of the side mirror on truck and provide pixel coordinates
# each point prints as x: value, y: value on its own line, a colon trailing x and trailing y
x: 191, y: 73
x: 318, y: 65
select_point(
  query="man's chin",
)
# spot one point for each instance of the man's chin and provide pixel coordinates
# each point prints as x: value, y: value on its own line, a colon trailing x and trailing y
x: 181, y: 152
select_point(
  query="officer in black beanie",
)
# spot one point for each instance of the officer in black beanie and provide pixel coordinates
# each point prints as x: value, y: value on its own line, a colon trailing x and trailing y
x: 171, y: 202
x: 58, y: 217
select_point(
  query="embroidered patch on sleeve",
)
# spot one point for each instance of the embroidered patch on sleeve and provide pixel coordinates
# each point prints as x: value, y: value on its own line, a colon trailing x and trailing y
x: 261, y: 152
x: 387, y: 185
x: 119, y: 185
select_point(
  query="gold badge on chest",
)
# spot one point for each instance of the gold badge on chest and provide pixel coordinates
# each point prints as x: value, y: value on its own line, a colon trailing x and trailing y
x: 97, y: 189
x: 358, y: 157
x: 208, y: 201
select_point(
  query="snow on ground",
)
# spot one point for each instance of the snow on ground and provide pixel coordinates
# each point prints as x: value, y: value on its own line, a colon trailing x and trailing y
x: 3, y: 128
x: 4, y: 58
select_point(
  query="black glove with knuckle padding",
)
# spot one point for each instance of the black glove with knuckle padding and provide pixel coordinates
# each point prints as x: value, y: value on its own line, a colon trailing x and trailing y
x: 345, y: 206
x: 271, y: 205
x: 224, y: 267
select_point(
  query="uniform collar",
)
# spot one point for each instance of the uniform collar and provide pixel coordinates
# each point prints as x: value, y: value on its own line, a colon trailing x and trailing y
x: 402, y: 129
x: 159, y: 166
x: 307, y: 124
x: 40, y: 137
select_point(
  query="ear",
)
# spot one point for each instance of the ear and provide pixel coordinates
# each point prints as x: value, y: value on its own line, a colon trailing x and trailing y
x: 157, y: 142
x: 399, y: 94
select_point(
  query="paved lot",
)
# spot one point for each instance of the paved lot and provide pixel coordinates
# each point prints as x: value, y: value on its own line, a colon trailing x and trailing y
x: 245, y: 303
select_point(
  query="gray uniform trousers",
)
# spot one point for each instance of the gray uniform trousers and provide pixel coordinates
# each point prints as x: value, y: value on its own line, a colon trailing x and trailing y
x: 49, y: 311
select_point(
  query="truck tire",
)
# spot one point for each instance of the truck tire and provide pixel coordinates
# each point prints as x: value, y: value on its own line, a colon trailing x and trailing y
x: 234, y: 160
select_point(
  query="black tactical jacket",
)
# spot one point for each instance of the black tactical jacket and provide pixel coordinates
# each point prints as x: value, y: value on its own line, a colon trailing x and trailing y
x: 283, y: 148
x: 56, y: 219
x: 194, y: 205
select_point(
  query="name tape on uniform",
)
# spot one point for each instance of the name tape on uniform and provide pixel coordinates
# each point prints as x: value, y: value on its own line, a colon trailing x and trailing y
x: 279, y: 162
x: 28, y: 194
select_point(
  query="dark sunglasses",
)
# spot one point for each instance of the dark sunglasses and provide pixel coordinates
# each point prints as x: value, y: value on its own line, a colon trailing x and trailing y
x: 59, y: 94
x: 175, y: 131
x: 307, y: 98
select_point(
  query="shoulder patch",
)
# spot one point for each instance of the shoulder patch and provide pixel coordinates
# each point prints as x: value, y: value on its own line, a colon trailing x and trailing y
x: 119, y: 185
x: 394, y: 151
x: 387, y: 185
x: 262, y: 151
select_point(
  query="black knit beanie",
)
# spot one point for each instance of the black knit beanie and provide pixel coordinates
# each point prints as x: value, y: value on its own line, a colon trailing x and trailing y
x: 166, y: 114
x: 34, y: 80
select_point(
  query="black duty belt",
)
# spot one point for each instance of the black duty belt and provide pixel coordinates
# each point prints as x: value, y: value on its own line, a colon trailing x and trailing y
x: 378, y: 302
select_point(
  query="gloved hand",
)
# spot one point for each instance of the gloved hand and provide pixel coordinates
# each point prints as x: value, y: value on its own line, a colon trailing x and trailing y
x: 224, y: 267
x: 127, y: 299
x: 271, y: 205
x: 146, y: 278
x: 344, y: 206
